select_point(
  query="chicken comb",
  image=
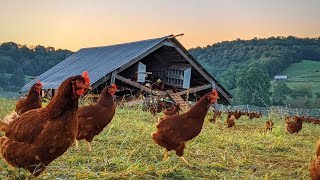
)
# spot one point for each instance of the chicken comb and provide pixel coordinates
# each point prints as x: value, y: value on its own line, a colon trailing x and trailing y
x: 215, y: 92
x: 38, y: 82
x: 85, y: 75
x: 114, y: 85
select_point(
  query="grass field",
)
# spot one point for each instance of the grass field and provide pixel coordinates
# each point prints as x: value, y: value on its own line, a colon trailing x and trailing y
x: 125, y: 150
x: 305, y: 73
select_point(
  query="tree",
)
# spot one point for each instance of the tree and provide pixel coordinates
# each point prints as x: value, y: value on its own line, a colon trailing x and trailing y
x: 253, y: 87
x: 301, y: 91
x: 280, y: 93
x: 17, y: 79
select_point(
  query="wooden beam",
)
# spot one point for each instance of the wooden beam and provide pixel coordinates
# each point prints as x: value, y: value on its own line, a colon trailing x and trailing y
x: 137, y: 85
x: 113, y: 77
x: 195, y: 89
x: 134, y: 102
x: 132, y: 83
x: 100, y: 81
x: 208, y: 78
x: 223, y: 94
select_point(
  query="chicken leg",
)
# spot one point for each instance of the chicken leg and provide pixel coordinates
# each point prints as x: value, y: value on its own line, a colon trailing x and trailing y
x: 89, y: 146
x: 184, y: 160
x: 165, y: 155
x: 77, y: 144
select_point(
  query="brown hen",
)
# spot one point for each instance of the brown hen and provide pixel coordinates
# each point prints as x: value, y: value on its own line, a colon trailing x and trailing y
x: 32, y: 101
x: 93, y: 118
x: 315, y: 166
x: 39, y: 136
x: 268, y: 125
x: 172, y: 111
x: 173, y: 131
x: 294, y: 126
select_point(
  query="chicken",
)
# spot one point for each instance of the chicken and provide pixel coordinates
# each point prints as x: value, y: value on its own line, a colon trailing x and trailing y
x: 32, y: 101
x: 230, y: 120
x: 173, y: 131
x: 216, y: 114
x: 93, y: 118
x: 268, y: 125
x: 172, y: 111
x: 39, y: 136
x: 237, y: 114
x: 294, y: 126
x: 315, y: 166
x: 160, y: 106
x: 251, y: 115
x: 158, y: 85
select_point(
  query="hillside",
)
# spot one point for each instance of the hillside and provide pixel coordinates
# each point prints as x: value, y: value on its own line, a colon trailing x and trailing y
x: 305, y: 73
x: 305, y: 70
x: 125, y: 150
x: 226, y: 59
x: 20, y: 61
x: 301, y: 89
x: 231, y: 62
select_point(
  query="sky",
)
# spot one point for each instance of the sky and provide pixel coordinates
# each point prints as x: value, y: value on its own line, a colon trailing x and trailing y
x: 75, y: 24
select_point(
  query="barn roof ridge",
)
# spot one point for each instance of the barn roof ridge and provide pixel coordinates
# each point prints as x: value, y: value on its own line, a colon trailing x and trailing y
x: 125, y: 43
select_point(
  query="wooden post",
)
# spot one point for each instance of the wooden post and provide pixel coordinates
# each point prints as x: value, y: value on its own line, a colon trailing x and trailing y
x: 113, y: 77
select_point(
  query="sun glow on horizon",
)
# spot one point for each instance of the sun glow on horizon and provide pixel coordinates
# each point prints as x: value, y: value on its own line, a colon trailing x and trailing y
x: 76, y: 24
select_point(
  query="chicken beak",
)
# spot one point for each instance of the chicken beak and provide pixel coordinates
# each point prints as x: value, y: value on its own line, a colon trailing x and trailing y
x: 88, y: 87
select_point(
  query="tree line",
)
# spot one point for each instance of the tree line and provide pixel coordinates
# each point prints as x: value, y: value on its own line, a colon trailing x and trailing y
x: 245, y: 67
x: 19, y: 61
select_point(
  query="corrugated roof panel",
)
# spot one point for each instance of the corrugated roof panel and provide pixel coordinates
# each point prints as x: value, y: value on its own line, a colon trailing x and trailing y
x: 98, y: 61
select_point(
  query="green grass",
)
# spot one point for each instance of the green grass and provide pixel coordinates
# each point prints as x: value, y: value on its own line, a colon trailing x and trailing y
x: 305, y: 73
x: 125, y: 150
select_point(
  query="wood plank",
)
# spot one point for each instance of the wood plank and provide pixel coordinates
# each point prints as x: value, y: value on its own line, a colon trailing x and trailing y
x: 132, y: 83
x: 100, y: 81
x: 195, y: 89
x: 113, y: 77
x: 134, y: 102
x: 177, y: 99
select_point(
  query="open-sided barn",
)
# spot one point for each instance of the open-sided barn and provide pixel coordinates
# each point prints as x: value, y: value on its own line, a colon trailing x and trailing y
x: 161, y: 66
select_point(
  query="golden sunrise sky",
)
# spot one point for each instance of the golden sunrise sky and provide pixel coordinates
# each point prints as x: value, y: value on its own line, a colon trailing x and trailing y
x: 74, y: 24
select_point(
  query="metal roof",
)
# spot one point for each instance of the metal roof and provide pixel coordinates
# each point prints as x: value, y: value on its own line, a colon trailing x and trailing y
x: 98, y: 61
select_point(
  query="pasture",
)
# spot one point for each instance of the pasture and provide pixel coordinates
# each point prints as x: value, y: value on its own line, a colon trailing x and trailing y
x: 125, y: 150
x: 305, y: 73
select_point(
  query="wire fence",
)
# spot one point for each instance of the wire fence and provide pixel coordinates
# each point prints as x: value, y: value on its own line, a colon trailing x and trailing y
x: 280, y: 110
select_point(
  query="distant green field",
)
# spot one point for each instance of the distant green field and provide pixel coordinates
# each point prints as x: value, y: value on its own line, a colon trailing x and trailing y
x: 304, y: 73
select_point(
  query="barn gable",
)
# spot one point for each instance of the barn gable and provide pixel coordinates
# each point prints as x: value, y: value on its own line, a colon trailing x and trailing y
x: 117, y: 62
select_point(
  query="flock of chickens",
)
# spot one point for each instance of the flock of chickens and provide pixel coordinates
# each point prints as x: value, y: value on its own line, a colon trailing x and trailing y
x: 37, y: 135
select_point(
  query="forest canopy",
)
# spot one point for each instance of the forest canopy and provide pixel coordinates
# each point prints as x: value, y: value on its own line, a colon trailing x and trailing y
x: 19, y: 62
